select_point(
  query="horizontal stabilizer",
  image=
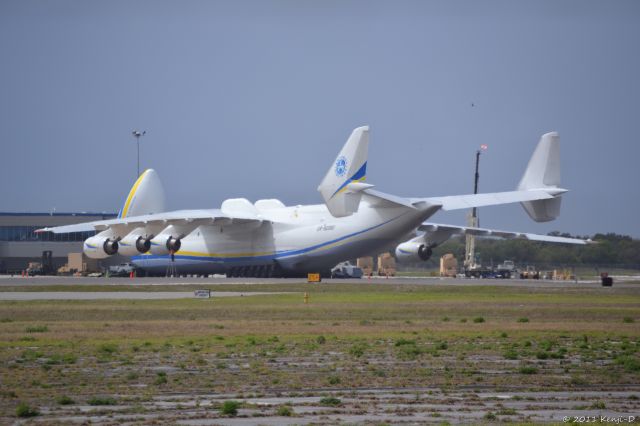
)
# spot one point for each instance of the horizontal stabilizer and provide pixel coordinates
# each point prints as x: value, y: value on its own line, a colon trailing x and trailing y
x: 381, y: 199
x: 456, y: 202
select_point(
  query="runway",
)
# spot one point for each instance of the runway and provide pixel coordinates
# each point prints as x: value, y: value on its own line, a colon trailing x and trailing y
x: 26, y: 282
x: 117, y: 295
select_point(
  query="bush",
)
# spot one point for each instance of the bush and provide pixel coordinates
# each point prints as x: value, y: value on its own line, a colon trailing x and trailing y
x: 542, y: 355
x: 598, y: 405
x: 161, y: 378
x: 401, y: 342
x: 628, y: 320
x: 230, y: 408
x: 630, y: 363
x: 490, y: 416
x: 284, y: 410
x: 321, y: 340
x: 478, y: 320
x: 357, y: 350
x: 334, y: 380
x: 24, y: 410
x: 65, y: 400
x: 528, y: 370
x: 102, y: 400
x: 62, y: 359
x: 409, y: 351
x: 108, y: 348
x: 37, y: 329
x: 523, y: 319
x: 511, y: 354
x: 330, y: 401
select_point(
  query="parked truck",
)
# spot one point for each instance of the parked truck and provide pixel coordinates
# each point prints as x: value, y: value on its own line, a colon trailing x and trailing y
x: 121, y: 270
x: 45, y: 267
x: 346, y: 270
x: 506, y: 269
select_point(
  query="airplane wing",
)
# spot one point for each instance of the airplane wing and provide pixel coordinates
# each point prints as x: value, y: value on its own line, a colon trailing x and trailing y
x: 451, y: 230
x: 179, y: 217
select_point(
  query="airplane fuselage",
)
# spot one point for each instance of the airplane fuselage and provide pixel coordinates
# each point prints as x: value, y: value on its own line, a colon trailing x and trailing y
x: 289, y: 241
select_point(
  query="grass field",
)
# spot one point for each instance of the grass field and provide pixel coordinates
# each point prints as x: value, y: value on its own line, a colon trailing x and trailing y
x: 412, y: 339
x: 582, y: 272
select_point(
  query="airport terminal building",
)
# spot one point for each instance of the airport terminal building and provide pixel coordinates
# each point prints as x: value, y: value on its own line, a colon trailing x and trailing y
x: 19, y: 244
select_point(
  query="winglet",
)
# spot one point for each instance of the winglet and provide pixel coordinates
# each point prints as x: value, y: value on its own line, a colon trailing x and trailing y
x: 341, y: 187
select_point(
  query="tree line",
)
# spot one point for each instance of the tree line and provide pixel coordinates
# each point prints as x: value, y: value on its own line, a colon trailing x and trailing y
x: 610, y: 250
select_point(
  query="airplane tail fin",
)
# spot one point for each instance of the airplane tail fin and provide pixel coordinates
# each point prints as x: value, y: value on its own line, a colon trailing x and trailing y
x: 343, y: 184
x: 145, y: 197
x: 543, y: 172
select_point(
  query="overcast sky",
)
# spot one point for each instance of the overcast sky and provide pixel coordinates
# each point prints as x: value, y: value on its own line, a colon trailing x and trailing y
x: 255, y: 99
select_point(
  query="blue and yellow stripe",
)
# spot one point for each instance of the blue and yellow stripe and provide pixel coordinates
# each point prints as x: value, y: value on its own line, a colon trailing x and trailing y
x: 359, y: 176
x: 132, y: 194
x: 241, y: 257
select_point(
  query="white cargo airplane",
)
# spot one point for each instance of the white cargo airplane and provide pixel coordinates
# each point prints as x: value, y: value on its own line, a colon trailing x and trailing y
x: 268, y: 238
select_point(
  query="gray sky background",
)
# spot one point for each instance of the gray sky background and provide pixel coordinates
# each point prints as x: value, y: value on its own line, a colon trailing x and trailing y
x: 254, y: 99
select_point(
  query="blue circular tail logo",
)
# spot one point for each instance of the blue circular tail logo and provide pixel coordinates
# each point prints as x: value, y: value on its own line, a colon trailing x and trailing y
x: 341, y: 166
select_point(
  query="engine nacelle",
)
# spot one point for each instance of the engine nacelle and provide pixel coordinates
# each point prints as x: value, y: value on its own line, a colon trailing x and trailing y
x: 165, y: 244
x: 100, y: 246
x: 134, y: 244
x: 412, y: 251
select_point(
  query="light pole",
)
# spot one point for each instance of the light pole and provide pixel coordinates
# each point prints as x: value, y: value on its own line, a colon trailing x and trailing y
x: 136, y: 134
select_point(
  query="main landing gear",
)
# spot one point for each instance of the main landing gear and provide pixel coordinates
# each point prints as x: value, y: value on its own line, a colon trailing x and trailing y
x: 255, y: 271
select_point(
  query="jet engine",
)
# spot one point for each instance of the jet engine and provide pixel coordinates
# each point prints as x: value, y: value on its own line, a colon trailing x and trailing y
x: 413, y: 251
x: 135, y: 243
x: 165, y: 244
x: 100, y: 246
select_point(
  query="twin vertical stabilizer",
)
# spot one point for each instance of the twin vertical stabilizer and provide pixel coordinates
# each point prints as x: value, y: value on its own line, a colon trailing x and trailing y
x: 146, y: 196
x: 543, y: 172
x: 343, y: 184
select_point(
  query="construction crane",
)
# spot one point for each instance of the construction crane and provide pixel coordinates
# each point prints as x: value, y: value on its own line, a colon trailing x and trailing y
x: 472, y: 220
